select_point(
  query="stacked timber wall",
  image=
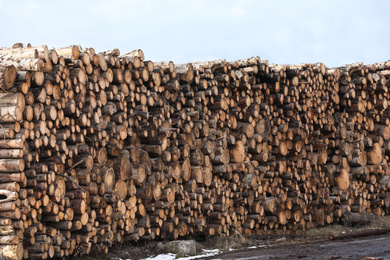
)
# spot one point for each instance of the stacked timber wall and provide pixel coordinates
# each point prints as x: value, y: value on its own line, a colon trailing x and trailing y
x: 104, y: 148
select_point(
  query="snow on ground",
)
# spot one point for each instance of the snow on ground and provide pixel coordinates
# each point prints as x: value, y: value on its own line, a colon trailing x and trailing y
x: 205, y: 253
x: 170, y: 256
x: 162, y: 257
x: 254, y: 247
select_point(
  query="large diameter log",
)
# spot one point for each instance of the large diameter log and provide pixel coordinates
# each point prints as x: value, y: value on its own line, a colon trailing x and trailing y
x: 359, y: 160
x: 86, y: 161
x: 353, y: 218
x: 27, y: 52
x: 11, y: 143
x: 245, y: 128
x: 11, y: 252
x: 135, y: 53
x: 7, y: 230
x: 11, y: 186
x: 7, y: 133
x: 165, y: 66
x: 123, y: 167
x: 7, y: 206
x: 9, y: 240
x: 138, y: 174
x: 15, y: 214
x: 78, y: 206
x: 7, y: 77
x: 343, y: 180
x: 363, y: 233
x: 11, y: 165
x: 375, y: 156
x: 101, y: 156
x: 382, y: 130
x: 12, y: 100
x: 108, y: 177
x: 197, y: 157
x: 11, y: 114
x: 222, y: 156
x: 6, y: 195
x: 186, y: 169
x: 73, y: 50
x: 11, y: 153
x: 238, y: 154
x: 24, y: 64
x: 120, y: 189
x: 270, y: 204
x: 185, y: 71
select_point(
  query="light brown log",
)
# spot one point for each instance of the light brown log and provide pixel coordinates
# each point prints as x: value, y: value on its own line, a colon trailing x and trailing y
x: 375, y: 155
x: 8, y: 195
x: 73, y: 50
x: 78, y: 206
x: 382, y: 130
x: 135, y: 53
x: 9, y: 240
x: 120, y: 189
x: 23, y: 64
x: 109, y: 177
x: 123, y: 168
x: 138, y: 174
x: 101, y: 156
x: 186, y: 72
x: 11, y: 153
x: 11, y: 114
x: 11, y: 165
x: 11, y: 252
x: 7, y: 133
x: 237, y: 154
x: 15, y: 214
x: 11, y: 186
x: 7, y: 77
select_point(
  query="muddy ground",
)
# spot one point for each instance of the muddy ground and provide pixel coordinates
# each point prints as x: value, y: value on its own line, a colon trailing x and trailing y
x: 314, y: 244
x: 373, y: 247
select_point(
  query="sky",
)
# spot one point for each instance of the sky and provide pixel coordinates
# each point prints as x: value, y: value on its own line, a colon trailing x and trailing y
x: 335, y: 32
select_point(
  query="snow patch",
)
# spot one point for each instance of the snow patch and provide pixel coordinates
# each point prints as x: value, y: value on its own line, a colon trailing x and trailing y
x: 254, y: 247
x: 170, y: 256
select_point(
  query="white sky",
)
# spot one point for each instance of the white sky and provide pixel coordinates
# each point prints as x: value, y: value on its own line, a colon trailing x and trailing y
x: 335, y: 32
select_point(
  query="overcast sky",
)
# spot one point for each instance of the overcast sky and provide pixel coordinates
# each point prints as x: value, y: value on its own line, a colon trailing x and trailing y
x: 335, y: 32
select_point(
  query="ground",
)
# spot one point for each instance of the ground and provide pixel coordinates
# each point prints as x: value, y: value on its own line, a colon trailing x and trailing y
x: 374, y: 247
x: 315, y: 244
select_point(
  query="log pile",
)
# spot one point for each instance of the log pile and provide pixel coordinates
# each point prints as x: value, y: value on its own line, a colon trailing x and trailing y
x: 104, y: 148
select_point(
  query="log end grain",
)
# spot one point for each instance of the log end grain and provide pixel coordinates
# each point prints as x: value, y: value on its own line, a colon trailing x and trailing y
x: 8, y: 77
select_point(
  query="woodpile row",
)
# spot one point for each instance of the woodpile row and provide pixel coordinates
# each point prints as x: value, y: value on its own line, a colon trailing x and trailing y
x: 98, y: 149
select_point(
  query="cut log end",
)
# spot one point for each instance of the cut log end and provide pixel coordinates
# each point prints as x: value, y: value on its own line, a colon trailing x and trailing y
x: 8, y: 76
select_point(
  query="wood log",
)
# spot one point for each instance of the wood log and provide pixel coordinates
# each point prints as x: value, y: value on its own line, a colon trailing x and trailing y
x: 370, y: 232
x: 375, y: 156
x: 7, y: 77
x: 237, y: 154
x: 135, y: 53
x: 353, y: 219
x: 12, y: 165
x: 14, y: 252
x: 23, y: 64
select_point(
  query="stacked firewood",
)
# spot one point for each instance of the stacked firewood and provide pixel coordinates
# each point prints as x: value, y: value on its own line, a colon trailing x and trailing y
x: 102, y: 148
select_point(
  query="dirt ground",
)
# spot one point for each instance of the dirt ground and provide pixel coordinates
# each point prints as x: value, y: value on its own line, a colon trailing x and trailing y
x: 315, y: 244
x: 373, y: 247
